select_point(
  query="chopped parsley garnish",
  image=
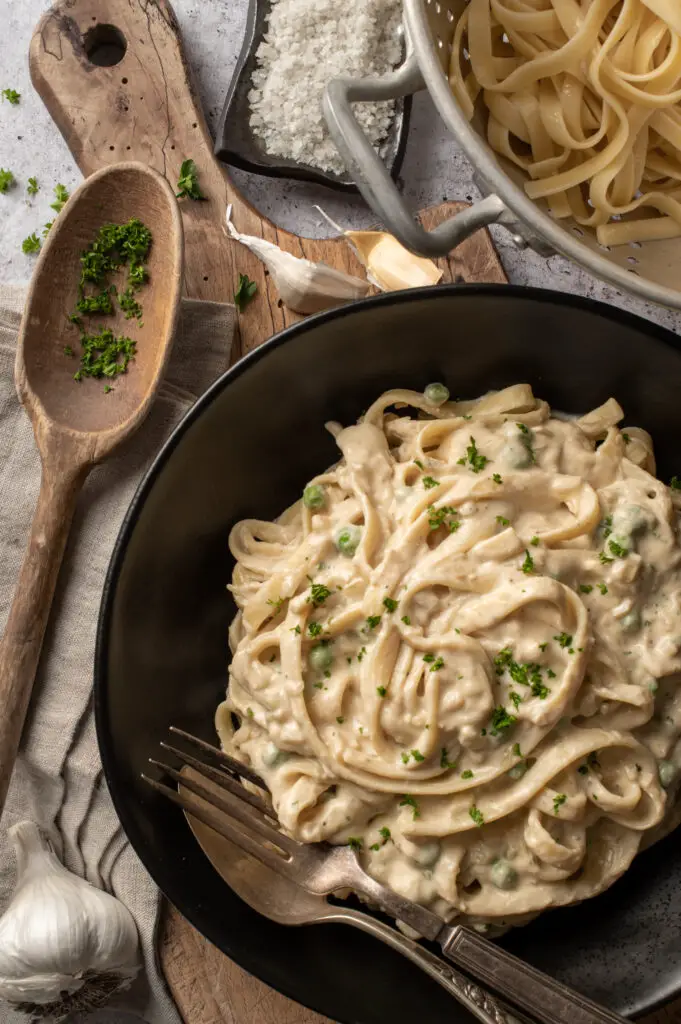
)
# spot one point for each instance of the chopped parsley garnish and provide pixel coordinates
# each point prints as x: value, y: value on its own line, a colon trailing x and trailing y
x: 606, y: 526
x: 444, y: 760
x: 406, y: 620
x: 30, y: 245
x: 188, y: 182
x: 245, y: 291
x: 476, y: 815
x: 604, y: 558
x: 542, y: 647
x: 249, y: 712
x: 373, y: 621
x: 354, y: 843
x: 526, y: 675
x: 417, y: 755
x: 408, y: 801
x: 516, y: 750
x: 340, y: 719
x: 501, y: 721
x: 564, y: 639
x: 674, y: 483
x: 417, y: 462
x: 11, y: 95
x: 33, y: 187
x: 389, y: 604
x: 585, y: 588
x: 550, y: 673
x: 603, y: 589
x: 362, y: 652
x: 429, y: 483
x: 558, y: 801
x: 617, y: 550
x: 7, y: 180
x: 515, y: 699
x: 625, y: 438
x: 503, y: 521
x: 526, y: 439
x: 315, y: 628
x: 381, y: 691
x: 468, y: 774
x: 385, y: 835
x: 68, y: 351
x: 497, y: 478
x: 528, y: 565
x: 437, y: 517
x: 278, y: 604
x: 437, y: 665
x: 534, y: 542
x: 104, y: 355
x: 476, y: 461
x: 428, y: 658
x: 61, y: 197
x: 318, y: 594
x: 296, y: 630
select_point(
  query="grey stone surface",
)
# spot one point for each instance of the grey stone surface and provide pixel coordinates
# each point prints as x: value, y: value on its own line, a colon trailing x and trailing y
x: 433, y: 170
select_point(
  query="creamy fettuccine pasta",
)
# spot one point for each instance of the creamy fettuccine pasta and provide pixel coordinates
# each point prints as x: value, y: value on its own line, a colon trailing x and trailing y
x: 460, y: 652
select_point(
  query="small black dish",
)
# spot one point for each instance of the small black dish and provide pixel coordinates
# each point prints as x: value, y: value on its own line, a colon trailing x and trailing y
x: 238, y: 145
x: 246, y: 449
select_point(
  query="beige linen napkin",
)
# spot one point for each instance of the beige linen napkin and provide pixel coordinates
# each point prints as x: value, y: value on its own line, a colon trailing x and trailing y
x: 58, y: 780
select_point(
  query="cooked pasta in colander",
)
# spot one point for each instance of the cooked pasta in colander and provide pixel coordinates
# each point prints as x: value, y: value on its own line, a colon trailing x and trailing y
x: 585, y: 97
x: 460, y: 653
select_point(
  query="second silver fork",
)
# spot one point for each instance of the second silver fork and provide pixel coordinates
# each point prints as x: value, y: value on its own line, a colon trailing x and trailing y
x: 248, y: 820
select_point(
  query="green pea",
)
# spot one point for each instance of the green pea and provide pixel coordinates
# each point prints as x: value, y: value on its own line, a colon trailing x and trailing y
x: 631, y: 623
x: 314, y: 497
x: 347, y: 540
x: 503, y: 875
x: 273, y: 756
x: 518, y: 770
x: 667, y: 772
x: 427, y: 854
x: 321, y: 657
x: 436, y: 394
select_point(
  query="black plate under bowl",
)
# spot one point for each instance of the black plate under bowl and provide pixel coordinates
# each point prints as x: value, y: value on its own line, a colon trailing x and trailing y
x: 237, y: 144
x: 246, y: 449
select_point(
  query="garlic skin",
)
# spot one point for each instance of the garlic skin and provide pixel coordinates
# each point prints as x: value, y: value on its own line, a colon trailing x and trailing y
x: 304, y: 286
x: 58, y: 928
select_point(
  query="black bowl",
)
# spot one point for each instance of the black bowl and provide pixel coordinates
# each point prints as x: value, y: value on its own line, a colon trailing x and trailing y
x: 246, y: 449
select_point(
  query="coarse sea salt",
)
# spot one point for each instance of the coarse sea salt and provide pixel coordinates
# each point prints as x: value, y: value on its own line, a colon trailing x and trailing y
x: 306, y: 44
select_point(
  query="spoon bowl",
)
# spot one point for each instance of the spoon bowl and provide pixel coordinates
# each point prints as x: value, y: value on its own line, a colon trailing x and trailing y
x: 77, y: 423
x: 44, y: 373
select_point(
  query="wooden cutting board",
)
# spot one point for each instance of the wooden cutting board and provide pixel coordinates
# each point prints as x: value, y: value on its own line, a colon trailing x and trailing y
x: 145, y: 108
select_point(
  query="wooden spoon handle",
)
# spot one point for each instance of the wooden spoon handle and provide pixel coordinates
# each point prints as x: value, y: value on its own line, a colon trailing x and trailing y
x: 23, y: 637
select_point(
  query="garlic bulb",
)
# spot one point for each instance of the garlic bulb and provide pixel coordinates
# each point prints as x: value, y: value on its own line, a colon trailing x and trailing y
x: 304, y: 286
x: 60, y: 935
x: 389, y: 265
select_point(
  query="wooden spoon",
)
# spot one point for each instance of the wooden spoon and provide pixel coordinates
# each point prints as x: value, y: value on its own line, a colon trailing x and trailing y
x: 77, y: 424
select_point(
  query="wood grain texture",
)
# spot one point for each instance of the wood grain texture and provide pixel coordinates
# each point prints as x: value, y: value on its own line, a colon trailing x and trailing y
x: 76, y: 424
x: 145, y: 108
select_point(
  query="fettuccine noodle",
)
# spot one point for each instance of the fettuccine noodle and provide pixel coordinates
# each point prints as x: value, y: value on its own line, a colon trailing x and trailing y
x: 461, y: 652
x: 585, y: 97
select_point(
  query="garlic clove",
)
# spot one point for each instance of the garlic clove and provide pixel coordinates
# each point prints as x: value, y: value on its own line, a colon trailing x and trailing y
x: 60, y: 935
x: 389, y: 265
x: 304, y: 286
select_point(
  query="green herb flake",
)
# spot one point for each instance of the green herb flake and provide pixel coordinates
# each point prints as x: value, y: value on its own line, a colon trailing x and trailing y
x: 503, y: 521
x: 535, y: 542
x: 497, y: 478
x: 542, y: 647
x: 476, y: 815
x: 515, y: 699
x: 516, y: 750
x: 437, y: 665
x: 245, y: 291
x: 528, y: 565
x: 406, y: 620
x: 314, y: 628
x: 408, y: 801
x: 625, y: 438
x: 429, y: 483
x: 501, y: 721
x: 444, y: 760
x: 61, y: 197
x: 33, y: 187
x: 617, y: 550
x: 417, y: 755
x: 355, y: 843
x: 373, y: 621
x: 318, y: 594
x: 389, y: 604
x: 340, y: 719
x: 468, y: 774
x: 417, y: 462
x: 381, y: 691
x: 11, y: 95
x: 476, y: 461
x: 585, y: 588
x: 296, y: 630
x: 30, y: 245
x: 558, y: 801
x: 429, y: 658
x: 362, y: 652
x: 603, y: 589
x: 188, y: 182
x: 564, y: 639
x: 7, y: 180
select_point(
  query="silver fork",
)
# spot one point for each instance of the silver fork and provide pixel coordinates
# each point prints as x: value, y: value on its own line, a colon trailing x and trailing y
x: 248, y: 820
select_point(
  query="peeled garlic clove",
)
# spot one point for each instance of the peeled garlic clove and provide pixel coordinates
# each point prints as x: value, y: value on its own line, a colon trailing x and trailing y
x: 304, y: 286
x: 389, y: 265
x: 59, y: 934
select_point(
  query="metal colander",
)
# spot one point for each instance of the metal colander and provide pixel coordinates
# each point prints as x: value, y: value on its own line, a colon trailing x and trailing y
x: 651, y: 270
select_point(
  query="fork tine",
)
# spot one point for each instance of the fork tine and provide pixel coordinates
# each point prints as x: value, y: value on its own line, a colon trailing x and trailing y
x: 233, y: 806
x: 230, y: 762
x: 211, y: 817
x: 221, y: 778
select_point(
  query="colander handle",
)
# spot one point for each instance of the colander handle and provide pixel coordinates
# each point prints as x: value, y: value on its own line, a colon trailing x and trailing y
x: 373, y: 180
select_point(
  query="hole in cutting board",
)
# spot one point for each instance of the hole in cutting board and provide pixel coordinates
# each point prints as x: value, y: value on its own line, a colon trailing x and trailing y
x: 105, y: 45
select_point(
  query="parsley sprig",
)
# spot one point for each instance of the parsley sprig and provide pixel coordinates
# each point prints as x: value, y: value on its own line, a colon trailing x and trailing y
x: 475, y: 460
x: 11, y: 95
x: 245, y: 291
x: 188, y: 182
